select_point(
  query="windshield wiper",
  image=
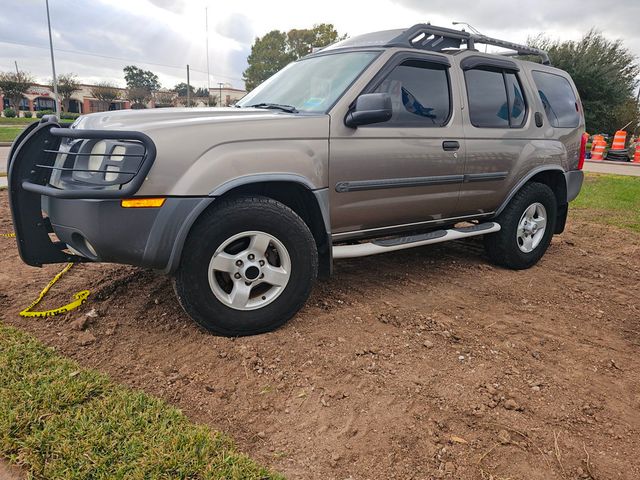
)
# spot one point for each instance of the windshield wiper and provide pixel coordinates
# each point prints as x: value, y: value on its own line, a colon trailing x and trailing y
x: 275, y: 106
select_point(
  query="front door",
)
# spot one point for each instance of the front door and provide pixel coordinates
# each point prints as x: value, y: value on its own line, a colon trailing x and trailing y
x: 405, y: 171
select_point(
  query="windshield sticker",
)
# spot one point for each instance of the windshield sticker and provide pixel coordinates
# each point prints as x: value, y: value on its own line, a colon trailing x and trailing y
x: 313, y: 102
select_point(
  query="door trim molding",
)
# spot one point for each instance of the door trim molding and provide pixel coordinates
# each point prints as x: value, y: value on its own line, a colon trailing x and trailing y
x: 485, y: 177
x: 384, y: 183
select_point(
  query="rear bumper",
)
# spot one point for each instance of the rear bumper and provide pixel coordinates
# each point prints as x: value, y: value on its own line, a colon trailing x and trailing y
x: 86, y: 218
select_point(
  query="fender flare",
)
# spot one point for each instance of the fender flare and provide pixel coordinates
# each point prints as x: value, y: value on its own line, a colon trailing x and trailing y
x: 524, y: 180
x: 321, y: 195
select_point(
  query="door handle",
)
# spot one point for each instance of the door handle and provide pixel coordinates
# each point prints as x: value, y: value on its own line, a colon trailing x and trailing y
x: 450, y: 145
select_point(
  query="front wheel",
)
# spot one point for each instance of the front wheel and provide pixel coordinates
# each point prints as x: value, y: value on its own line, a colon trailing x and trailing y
x: 247, y: 267
x: 528, y: 223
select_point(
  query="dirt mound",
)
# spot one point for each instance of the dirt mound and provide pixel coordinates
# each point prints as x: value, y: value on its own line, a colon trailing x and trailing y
x: 427, y: 363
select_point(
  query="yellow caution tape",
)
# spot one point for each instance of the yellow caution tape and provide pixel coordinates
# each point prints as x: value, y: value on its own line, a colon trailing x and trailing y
x: 80, y: 298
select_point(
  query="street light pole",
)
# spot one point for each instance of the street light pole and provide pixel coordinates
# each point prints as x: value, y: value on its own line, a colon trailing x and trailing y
x: 206, y: 24
x: 220, y: 84
x: 53, y: 62
x: 188, y: 89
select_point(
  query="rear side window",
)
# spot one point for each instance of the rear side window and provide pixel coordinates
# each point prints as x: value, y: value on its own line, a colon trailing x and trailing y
x: 495, y: 98
x: 559, y: 101
x: 419, y: 94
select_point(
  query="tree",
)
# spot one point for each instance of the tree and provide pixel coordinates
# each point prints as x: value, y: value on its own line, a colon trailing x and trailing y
x: 140, y: 85
x: 67, y: 85
x: 275, y: 50
x: 202, y: 92
x: 604, y: 72
x: 105, y: 93
x: 164, y: 98
x: 14, y: 86
x: 139, y: 97
x: 181, y: 89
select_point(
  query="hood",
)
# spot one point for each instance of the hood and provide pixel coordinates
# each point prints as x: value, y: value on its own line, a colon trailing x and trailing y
x: 152, y: 118
x: 193, y: 143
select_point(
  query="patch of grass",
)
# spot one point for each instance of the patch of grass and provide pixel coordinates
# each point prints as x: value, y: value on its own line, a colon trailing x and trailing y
x: 60, y: 421
x: 611, y: 199
x: 8, y: 134
x: 18, y: 121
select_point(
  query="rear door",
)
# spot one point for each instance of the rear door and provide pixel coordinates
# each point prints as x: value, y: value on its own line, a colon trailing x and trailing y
x: 499, y: 132
x: 408, y: 170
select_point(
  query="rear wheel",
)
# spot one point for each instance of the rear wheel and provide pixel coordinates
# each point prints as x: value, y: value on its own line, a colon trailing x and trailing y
x: 528, y: 223
x: 247, y: 267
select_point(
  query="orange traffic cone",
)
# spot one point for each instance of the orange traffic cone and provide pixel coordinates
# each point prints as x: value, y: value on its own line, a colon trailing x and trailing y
x: 619, y: 140
x: 597, y: 150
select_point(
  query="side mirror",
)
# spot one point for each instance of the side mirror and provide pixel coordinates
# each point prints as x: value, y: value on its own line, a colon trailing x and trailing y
x: 370, y: 108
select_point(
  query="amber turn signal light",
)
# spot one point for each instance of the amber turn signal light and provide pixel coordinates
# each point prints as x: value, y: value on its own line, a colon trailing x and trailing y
x: 142, y: 202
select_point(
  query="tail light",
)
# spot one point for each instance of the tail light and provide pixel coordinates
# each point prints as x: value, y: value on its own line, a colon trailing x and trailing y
x: 583, y: 150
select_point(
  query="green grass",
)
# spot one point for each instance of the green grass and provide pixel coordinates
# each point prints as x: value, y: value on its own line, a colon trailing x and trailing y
x: 17, y: 121
x: 60, y: 421
x: 8, y: 134
x: 611, y: 199
x: 25, y: 121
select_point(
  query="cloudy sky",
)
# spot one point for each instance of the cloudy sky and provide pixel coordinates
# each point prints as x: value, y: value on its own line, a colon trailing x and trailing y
x: 95, y: 39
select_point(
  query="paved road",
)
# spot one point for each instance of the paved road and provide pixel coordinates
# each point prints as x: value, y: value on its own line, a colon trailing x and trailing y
x: 617, y: 168
x: 4, y: 153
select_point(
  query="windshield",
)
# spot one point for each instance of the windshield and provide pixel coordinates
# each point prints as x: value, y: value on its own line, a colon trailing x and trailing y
x: 310, y: 85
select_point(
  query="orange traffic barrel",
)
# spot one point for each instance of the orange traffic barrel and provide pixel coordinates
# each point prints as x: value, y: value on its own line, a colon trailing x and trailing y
x: 619, y: 140
x: 597, y: 150
x: 636, y: 156
x: 594, y: 141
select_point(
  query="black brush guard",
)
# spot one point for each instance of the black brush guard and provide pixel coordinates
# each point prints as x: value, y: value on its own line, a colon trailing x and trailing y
x: 31, y: 163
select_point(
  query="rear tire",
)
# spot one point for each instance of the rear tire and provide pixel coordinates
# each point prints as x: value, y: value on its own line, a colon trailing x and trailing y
x: 528, y: 223
x: 247, y: 267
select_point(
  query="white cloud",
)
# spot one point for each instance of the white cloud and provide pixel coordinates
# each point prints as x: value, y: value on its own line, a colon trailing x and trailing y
x: 165, y: 35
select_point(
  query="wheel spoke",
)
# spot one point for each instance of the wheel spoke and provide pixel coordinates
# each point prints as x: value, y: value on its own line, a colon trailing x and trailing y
x: 276, y: 276
x: 239, y: 296
x: 259, y: 243
x: 531, y: 211
x: 223, y: 262
x: 541, y: 222
x: 528, y: 243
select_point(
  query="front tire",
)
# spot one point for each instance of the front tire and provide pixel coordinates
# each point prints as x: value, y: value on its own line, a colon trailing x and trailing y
x: 528, y: 223
x: 247, y: 267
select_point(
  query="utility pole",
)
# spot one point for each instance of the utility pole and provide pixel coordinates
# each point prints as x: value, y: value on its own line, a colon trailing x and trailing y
x: 53, y: 63
x: 188, y: 89
x: 206, y: 26
x: 220, y: 84
x: 17, y: 71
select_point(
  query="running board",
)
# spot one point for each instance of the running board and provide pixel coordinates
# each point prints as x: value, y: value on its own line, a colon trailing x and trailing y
x: 392, y: 244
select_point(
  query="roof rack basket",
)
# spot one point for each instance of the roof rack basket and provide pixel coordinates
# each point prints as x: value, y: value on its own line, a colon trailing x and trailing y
x: 428, y: 37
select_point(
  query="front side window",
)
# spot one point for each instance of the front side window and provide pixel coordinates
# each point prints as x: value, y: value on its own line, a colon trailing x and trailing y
x: 495, y: 98
x: 419, y: 94
x: 559, y: 100
x: 312, y: 84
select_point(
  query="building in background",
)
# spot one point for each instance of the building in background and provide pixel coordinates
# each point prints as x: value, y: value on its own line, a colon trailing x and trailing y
x: 40, y: 97
x: 230, y: 95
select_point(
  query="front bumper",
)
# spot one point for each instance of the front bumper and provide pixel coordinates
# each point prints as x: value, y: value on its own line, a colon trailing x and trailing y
x: 88, y: 221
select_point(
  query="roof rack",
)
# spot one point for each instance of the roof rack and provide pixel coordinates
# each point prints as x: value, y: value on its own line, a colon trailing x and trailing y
x: 428, y: 37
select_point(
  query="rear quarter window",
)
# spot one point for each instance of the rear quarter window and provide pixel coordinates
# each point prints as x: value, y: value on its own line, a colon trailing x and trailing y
x: 559, y: 100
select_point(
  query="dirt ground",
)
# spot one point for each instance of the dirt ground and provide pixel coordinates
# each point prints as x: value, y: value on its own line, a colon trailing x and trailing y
x: 426, y: 363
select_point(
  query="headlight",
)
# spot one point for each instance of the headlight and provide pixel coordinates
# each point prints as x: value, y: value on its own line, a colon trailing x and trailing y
x: 104, y: 164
